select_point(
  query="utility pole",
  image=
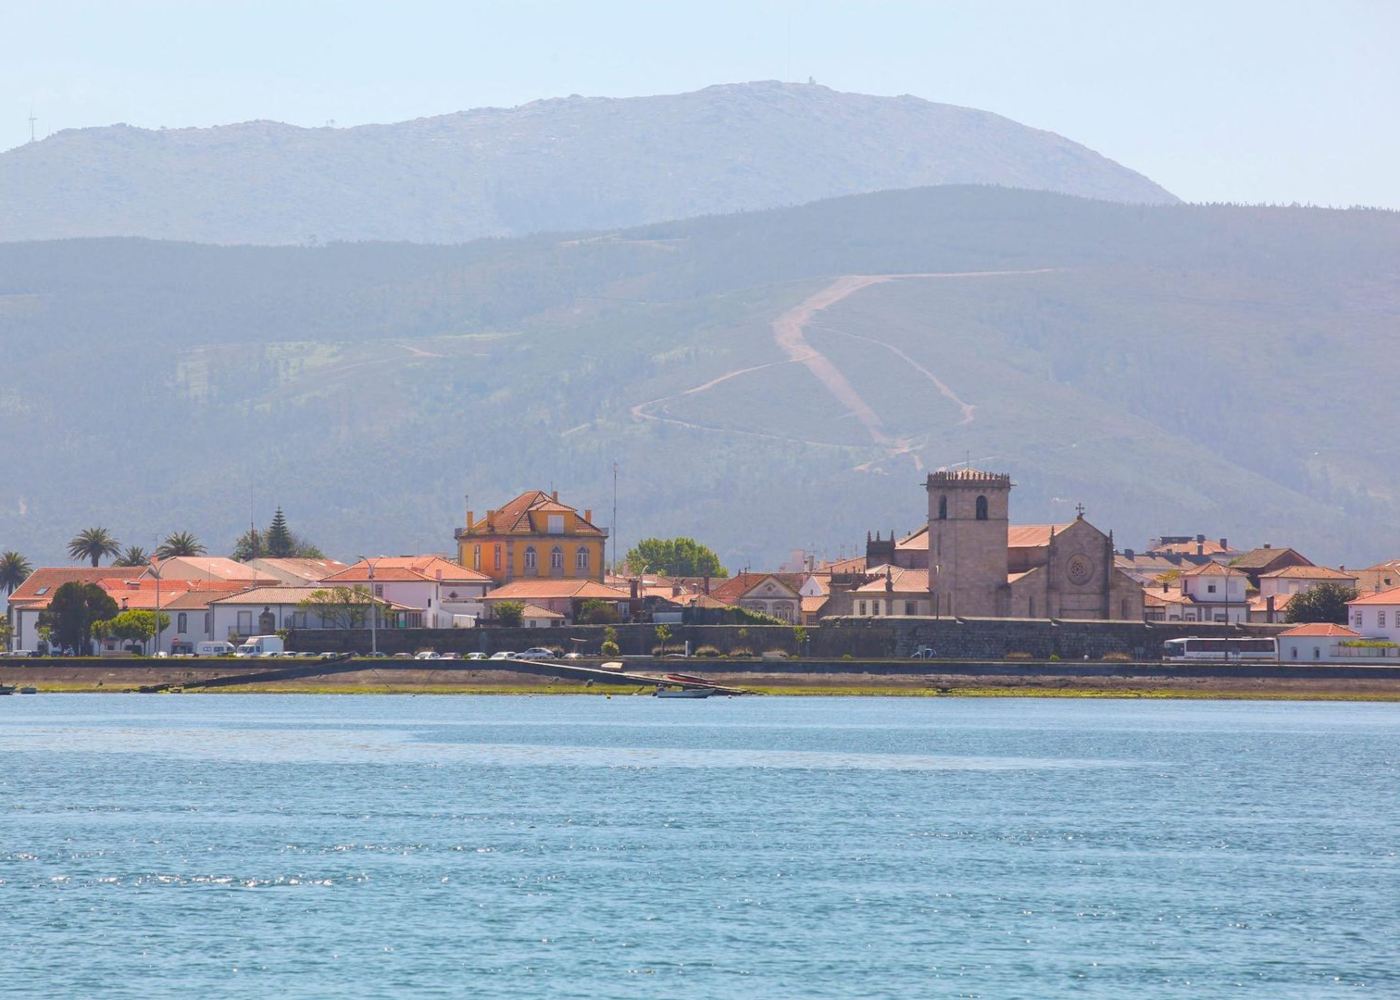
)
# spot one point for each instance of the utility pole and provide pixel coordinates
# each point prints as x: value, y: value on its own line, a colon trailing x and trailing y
x: 613, y: 530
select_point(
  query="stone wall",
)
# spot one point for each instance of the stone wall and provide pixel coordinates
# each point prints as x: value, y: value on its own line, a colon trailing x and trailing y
x: 859, y: 638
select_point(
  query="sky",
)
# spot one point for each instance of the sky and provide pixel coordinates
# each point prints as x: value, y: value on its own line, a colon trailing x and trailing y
x: 1274, y: 102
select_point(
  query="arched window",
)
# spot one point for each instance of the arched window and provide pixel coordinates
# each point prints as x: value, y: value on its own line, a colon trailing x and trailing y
x: 181, y: 623
x: 943, y: 508
x: 581, y: 558
x: 530, y: 559
x: 556, y: 558
x: 981, y: 508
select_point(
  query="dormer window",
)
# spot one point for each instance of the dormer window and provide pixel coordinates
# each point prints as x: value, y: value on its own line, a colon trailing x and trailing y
x: 555, y: 524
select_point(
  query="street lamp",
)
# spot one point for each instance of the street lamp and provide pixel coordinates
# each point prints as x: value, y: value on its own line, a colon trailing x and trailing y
x: 373, y: 609
x: 155, y: 572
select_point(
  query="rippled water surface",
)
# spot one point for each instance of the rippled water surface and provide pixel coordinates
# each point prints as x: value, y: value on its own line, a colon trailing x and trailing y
x: 343, y: 846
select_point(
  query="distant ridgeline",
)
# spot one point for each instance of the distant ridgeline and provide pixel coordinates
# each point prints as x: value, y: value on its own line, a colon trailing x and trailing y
x: 1167, y: 365
x: 574, y: 163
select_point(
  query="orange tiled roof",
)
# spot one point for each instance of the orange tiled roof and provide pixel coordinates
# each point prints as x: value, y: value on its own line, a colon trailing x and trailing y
x: 1031, y: 536
x: 916, y: 541
x: 735, y: 587
x: 535, y: 611
x: 544, y: 590
x: 402, y: 569
x: 1258, y: 603
x: 213, y: 568
x: 903, y: 581
x: 1208, y: 548
x: 1261, y: 557
x: 39, y: 587
x: 515, y: 517
x: 1385, y: 597
x: 1213, y: 569
x: 1307, y: 573
x: 812, y: 605
x: 1321, y: 629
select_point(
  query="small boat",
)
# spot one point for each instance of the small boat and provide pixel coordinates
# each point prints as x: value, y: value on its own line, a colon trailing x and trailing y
x: 683, y: 692
x: 7, y: 689
x: 28, y: 690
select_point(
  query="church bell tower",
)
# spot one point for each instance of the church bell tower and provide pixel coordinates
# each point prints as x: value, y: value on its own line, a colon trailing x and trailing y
x: 967, y: 521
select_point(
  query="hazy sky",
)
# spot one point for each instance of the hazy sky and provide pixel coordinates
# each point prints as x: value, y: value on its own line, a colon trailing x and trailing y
x: 1239, y: 101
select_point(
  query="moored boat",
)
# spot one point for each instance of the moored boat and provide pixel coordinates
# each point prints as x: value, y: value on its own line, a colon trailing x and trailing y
x: 662, y: 691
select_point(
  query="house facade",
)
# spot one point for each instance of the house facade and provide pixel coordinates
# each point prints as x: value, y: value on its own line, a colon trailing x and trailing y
x: 444, y: 593
x: 534, y: 536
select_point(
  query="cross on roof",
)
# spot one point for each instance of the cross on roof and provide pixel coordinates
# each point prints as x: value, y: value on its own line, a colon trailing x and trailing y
x: 1080, y: 508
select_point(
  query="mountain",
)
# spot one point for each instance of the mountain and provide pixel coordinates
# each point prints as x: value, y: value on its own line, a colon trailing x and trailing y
x: 766, y: 381
x: 567, y: 164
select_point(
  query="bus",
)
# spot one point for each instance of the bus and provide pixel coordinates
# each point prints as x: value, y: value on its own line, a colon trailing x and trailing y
x: 1250, y: 650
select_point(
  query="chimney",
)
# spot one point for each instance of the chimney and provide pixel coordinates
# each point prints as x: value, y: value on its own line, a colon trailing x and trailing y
x: 470, y: 520
x: 588, y: 514
x: 1269, y: 608
x: 707, y: 583
x: 1200, y: 546
x: 1267, y: 545
x: 1225, y: 544
x: 1129, y: 554
x: 554, y: 495
x: 1200, y: 539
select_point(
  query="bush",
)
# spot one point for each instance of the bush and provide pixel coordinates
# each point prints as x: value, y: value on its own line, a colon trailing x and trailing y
x: 847, y: 656
x: 608, y: 648
x: 739, y: 651
x: 706, y: 651
x: 1018, y: 655
x: 1054, y: 657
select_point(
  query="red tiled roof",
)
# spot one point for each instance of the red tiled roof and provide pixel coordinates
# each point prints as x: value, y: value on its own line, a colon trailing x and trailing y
x: 535, y: 611
x: 918, y: 540
x: 1260, y: 603
x: 1213, y: 569
x: 1321, y: 629
x: 1262, y: 557
x: 1208, y: 548
x: 290, y: 595
x: 210, y: 568
x: 1031, y: 536
x: 903, y: 581
x: 736, y: 586
x: 50, y: 578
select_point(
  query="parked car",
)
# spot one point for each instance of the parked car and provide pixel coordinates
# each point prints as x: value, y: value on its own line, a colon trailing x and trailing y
x: 475, y: 656
x: 427, y: 654
x: 403, y: 656
x: 573, y: 656
x: 536, y: 653
x: 304, y: 655
x: 503, y: 654
x: 376, y: 656
x: 924, y: 653
x: 329, y: 656
x: 22, y: 652
x: 213, y: 648
x: 449, y: 656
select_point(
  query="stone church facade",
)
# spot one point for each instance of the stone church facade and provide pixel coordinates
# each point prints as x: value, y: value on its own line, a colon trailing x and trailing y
x: 982, y: 566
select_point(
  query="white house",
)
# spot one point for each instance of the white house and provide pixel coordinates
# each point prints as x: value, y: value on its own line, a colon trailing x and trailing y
x: 1278, y: 587
x: 1377, y: 616
x: 1313, y: 643
x: 264, y: 610
x: 1216, y: 594
x: 442, y: 590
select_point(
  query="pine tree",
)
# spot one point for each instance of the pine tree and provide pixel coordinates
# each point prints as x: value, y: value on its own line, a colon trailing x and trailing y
x: 278, y: 540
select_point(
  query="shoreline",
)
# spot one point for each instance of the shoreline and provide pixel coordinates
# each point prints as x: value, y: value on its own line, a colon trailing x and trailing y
x: 128, y: 676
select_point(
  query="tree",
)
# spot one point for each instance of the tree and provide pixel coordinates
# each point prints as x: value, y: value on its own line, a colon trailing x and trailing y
x: 596, y: 612
x: 509, y: 614
x: 131, y: 626
x: 280, y: 543
x: 94, y: 544
x: 1327, y: 602
x: 663, y: 636
x: 180, y: 543
x: 132, y: 555
x: 14, y: 570
x: 72, y: 612
x: 609, y: 646
x: 674, y: 557
x: 248, y: 546
x: 339, y: 607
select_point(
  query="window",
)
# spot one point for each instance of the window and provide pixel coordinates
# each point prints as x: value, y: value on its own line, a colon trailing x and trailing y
x: 1356, y: 619
x: 182, y: 622
x: 910, y: 608
x: 1210, y: 588
x: 556, y: 558
x: 860, y: 607
x: 530, y: 559
x: 581, y: 558
x: 1317, y: 653
x: 556, y: 524
x: 379, y: 590
x: 943, y: 508
x: 1380, y: 619
x: 245, y: 623
x: 476, y: 557
x: 498, y: 558
x: 298, y: 619
x: 1293, y: 652
x: 208, y: 623
x: 981, y: 508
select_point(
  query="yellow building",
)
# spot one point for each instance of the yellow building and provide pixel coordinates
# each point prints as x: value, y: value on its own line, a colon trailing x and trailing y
x: 533, y: 536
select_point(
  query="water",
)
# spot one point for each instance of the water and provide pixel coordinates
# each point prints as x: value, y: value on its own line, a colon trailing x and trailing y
x: 299, y: 846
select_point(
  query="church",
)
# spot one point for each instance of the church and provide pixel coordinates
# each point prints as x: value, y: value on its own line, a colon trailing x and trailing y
x: 980, y: 565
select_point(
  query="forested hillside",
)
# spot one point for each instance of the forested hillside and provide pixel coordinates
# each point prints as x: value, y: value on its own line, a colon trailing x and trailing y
x: 1176, y: 368
x: 571, y: 163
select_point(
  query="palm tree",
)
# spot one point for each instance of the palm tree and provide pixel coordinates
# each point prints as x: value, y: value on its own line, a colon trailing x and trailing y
x: 179, y: 543
x: 94, y: 544
x: 133, y: 555
x: 14, y: 570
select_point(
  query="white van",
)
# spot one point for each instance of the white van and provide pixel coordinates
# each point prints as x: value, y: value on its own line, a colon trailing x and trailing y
x: 261, y: 645
x: 213, y: 649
